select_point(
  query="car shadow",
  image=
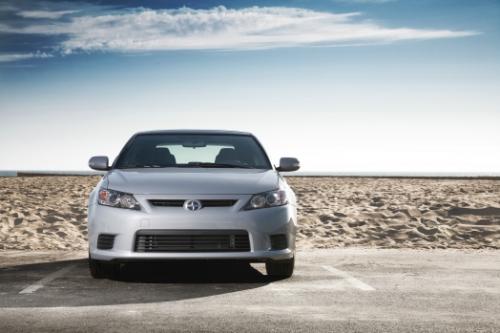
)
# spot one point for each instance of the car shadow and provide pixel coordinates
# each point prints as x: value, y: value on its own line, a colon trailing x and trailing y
x: 135, y: 283
x: 193, y: 272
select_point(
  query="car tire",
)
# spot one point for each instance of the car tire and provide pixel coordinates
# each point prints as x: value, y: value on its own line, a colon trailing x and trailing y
x: 280, y: 268
x: 97, y: 269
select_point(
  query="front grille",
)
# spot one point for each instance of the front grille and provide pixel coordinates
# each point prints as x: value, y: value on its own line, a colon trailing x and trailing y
x: 105, y: 241
x: 167, y: 203
x: 204, y: 203
x: 217, y: 203
x: 192, y: 241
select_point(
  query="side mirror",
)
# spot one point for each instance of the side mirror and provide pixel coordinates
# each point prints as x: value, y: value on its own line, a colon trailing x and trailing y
x: 288, y: 164
x: 100, y: 163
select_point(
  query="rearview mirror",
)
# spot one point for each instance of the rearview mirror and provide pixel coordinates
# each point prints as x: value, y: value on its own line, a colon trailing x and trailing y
x: 100, y: 163
x: 288, y: 164
x: 195, y: 144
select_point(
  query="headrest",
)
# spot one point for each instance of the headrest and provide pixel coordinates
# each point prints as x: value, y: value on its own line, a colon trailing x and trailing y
x: 226, y: 155
x: 156, y: 156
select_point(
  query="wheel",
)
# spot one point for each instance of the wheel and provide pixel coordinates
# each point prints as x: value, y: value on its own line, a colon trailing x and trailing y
x: 280, y: 268
x: 97, y: 269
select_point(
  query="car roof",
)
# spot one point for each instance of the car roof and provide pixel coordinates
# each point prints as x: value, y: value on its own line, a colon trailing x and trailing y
x: 193, y: 131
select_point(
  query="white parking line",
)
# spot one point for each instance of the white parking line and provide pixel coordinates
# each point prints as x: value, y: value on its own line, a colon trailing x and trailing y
x: 346, y: 276
x: 41, y: 283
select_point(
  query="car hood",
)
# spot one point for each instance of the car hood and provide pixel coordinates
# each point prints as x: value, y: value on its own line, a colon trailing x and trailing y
x: 192, y: 181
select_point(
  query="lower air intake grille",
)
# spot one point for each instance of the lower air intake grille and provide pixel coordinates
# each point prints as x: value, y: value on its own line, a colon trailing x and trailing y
x: 279, y: 242
x: 105, y: 241
x: 192, y: 241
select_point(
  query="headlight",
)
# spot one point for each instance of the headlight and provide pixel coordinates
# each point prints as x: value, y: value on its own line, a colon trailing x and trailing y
x: 117, y: 199
x: 267, y: 199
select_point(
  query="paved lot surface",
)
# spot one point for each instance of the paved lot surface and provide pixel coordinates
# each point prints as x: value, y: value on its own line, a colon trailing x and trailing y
x: 344, y: 290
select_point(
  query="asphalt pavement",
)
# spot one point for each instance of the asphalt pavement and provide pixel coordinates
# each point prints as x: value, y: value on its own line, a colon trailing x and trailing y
x: 337, y: 290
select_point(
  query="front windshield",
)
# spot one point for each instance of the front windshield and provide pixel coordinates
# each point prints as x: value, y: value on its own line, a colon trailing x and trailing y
x: 193, y: 151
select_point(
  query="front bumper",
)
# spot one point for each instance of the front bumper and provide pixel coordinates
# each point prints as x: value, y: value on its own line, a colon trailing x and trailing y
x: 259, y: 224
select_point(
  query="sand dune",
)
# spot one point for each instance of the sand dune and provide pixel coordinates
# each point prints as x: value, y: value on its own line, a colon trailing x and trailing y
x: 38, y: 213
x: 414, y: 213
x: 42, y: 213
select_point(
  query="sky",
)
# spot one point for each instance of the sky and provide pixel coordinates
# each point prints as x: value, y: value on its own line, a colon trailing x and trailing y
x: 343, y: 85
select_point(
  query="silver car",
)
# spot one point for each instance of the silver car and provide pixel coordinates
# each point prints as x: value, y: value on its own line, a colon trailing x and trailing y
x: 191, y: 194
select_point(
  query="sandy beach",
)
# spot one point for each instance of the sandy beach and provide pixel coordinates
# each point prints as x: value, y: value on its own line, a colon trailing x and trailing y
x: 398, y: 213
x: 49, y: 213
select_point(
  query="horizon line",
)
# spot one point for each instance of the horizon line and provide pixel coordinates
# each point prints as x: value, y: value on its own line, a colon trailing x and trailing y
x: 368, y: 174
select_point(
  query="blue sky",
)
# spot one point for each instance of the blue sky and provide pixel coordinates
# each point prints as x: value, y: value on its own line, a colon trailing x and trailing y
x: 345, y: 85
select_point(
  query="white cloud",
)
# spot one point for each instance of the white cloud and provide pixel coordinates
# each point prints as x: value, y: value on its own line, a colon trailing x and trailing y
x: 9, y: 57
x: 221, y: 28
x: 366, y: 1
x: 7, y: 8
x: 44, y: 14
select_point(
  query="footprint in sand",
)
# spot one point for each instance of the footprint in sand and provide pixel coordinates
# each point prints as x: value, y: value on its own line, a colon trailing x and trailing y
x: 51, y: 219
x: 426, y: 231
x: 488, y: 211
x: 328, y: 218
x: 356, y: 224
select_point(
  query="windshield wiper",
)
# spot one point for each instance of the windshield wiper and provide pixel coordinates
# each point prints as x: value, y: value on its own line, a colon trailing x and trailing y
x: 216, y: 165
x: 188, y: 165
x: 141, y: 166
